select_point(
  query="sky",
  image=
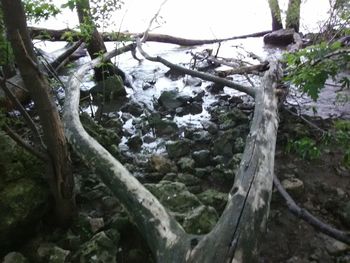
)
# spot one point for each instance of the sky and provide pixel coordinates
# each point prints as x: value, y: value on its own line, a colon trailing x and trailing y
x: 199, y: 18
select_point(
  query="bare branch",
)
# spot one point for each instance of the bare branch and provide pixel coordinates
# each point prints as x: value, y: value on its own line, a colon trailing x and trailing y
x: 308, y: 217
x: 24, y: 144
x: 248, y: 90
x: 24, y: 113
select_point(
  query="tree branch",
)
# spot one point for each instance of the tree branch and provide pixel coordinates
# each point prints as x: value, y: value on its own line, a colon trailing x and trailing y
x: 308, y: 217
x: 24, y: 113
x: 248, y: 90
x: 24, y: 144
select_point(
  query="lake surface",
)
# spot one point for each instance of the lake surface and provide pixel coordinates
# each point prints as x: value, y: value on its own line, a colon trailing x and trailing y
x: 199, y: 18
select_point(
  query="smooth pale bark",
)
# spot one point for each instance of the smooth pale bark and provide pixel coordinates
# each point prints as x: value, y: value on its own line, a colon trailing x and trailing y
x: 275, y: 15
x: 60, y: 173
x: 293, y: 15
x: 236, y: 236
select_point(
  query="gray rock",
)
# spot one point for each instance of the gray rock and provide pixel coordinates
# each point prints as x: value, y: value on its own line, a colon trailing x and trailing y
x: 51, y: 253
x: 174, y: 196
x: 163, y: 126
x: 202, y: 158
x: 282, y: 37
x: 186, y: 164
x: 211, y: 127
x: 133, y: 107
x: 192, y: 81
x: 223, y: 145
x: 14, y: 257
x: 111, y: 88
x: 214, y: 198
x: 178, y: 148
x: 187, y: 179
x: 135, y: 143
x: 201, y: 220
x: 294, y: 186
x: 100, y: 249
x: 161, y: 164
x: 171, y: 99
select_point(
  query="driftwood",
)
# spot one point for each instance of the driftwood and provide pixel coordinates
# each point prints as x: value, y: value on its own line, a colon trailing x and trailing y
x: 58, y: 35
x: 236, y: 236
x: 15, y: 84
x: 308, y: 217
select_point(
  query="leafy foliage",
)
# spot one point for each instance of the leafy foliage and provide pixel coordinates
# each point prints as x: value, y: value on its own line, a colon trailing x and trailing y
x: 101, y: 11
x: 37, y: 10
x: 305, y: 147
x: 309, y: 68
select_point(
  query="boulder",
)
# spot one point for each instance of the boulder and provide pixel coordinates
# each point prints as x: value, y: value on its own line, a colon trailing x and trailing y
x: 171, y: 99
x: 176, y: 149
x: 282, y: 37
x: 174, y: 196
x: 110, y: 89
x: 202, y: 158
x: 14, y: 257
x: 161, y: 164
x: 200, y: 220
x: 133, y: 107
x: 214, y: 198
x: 23, y: 194
x: 162, y: 126
x: 135, y: 143
x: 186, y: 164
x: 294, y: 186
x: 100, y: 249
x: 51, y: 253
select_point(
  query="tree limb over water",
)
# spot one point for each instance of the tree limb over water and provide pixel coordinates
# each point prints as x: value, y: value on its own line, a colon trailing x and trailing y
x: 59, y: 35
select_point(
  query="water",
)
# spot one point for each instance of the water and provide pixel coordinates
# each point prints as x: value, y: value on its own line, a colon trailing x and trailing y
x: 201, y: 20
x: 198, y: 18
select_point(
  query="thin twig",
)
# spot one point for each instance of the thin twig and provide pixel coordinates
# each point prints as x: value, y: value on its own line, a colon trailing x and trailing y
x: 308, y: 217
x: 23, y: 143
x: 145, y: 34
x: 24, y: 113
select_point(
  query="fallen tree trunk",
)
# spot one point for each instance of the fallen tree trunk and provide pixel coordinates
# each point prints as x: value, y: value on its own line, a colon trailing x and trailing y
x: 59, y: 35
x: 236, y: 236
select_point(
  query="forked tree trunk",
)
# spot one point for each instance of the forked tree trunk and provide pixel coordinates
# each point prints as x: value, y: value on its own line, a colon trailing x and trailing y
x: 59, y: 166
x: 275, y: 15
x: 236, y: 236
x: 293, y: 15
x: 95, y: 44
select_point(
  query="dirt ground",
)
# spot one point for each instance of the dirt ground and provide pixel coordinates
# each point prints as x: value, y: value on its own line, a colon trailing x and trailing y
x: 326, y: 188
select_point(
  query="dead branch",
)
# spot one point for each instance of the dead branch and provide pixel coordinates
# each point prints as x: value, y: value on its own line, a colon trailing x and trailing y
x: 248, y: 90
x: 245, y: 70
x: 24, y: 113
x: 57, y: 35
x: 308, y: 217
x: 22, y: 143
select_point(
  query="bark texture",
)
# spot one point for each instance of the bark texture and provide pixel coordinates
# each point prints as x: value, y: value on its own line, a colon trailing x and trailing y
x: 60, y: 173
x: 95, y: 43
x: 275, y: 15
x: 293, y: 15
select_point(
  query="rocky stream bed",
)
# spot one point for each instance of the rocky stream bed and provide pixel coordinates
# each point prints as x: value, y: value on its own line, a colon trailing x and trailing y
x: 183, y: 138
